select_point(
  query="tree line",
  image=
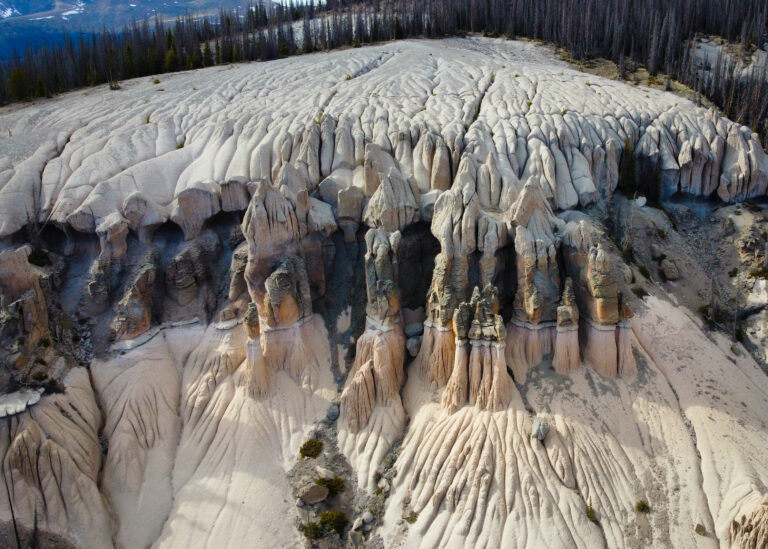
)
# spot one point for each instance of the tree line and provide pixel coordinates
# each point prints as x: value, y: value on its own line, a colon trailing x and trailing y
x: 658, y: 34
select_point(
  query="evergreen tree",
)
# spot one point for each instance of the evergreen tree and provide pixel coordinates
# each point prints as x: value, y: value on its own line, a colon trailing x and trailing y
x: 18, y: 84
x: 207, y: 55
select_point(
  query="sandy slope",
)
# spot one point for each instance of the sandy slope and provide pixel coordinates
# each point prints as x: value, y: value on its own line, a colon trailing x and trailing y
x: 687, y: 436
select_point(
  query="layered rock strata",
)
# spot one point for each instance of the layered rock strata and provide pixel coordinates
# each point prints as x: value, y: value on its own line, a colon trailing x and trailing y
x: 479, y: 375
x: 371, y: 413
x: 284, y: 229
x: 605, y: 314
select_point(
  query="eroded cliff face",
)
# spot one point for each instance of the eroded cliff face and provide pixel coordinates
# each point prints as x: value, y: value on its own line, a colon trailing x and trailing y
x: 416, y: 264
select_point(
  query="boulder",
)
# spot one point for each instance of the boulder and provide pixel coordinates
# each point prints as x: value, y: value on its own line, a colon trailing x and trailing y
x: 414, y: 329
x: 540, y: 428
x: 670, y: 270
x: 314, y: 493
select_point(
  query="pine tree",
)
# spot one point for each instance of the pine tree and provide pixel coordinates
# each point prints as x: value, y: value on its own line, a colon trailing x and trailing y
x: 207, y: 55
x: 18, y: 84
x: 171, y: 62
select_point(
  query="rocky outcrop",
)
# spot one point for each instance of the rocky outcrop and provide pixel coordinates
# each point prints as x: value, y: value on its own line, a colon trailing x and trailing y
x: 188, y: 279
x: 23, y: 314
x: 567, y: 357
x: 479, y: 374
x: 605, y: 314
x: 135, y: 308
x: 284, y: 229
x: 531, y: 329
x: 373, y: 384
x: 751, y: 532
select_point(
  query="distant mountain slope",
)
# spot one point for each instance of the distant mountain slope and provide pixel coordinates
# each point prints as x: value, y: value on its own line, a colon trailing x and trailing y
x: 42, y: 21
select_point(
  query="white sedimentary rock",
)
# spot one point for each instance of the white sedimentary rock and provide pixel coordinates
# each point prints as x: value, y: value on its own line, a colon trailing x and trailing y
x: 493, y: 144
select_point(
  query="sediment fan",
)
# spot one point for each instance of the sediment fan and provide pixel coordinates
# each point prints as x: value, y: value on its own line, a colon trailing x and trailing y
x: 399, y: 249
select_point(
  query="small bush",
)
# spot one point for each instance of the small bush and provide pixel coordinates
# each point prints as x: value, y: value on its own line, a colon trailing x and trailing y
x: 644, y: 271
x: 762, y: 272
x: 40, y: 376
x: 529, y: 103
x: 517, y: 75
x: 740, y: 335
x: 565, y: 111
x: 155, y: 80
x: 411, y: 517
x: 147, y: 119
x: 348, y: 77
x: 591, y: 515
x: 311, y: 448
x: 662, y: 232
x: 639, y: 291
x: 733, y: 272
x: 335, y: 485
x: 629, y: 253
x: 312, y: 530
x: 642, y: 506
x: 333, y: 520
x: 181, y: 144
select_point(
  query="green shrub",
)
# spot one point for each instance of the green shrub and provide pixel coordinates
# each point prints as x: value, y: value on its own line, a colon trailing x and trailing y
x: 644, y: 271
x: 348, y: 77
x: 335, y: 485
x: 591, y: 515
x: 181, y: 144
x: 333, y: 520
x: 155, y: 80
x: 312, y: 530
x: 642, y: 506
x: 40, y: 376
x: 639, y: 291
x: 662, y: 232
x: 629, y: 253
x: 311, y: 448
